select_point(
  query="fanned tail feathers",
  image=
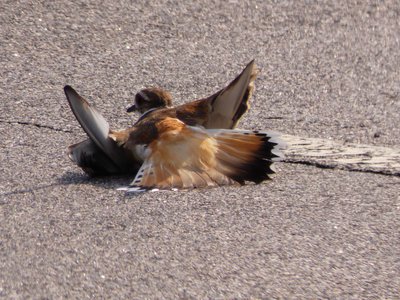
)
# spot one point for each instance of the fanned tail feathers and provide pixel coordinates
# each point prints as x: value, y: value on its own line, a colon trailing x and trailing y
x: 196, y: 158
x: 247, y: 155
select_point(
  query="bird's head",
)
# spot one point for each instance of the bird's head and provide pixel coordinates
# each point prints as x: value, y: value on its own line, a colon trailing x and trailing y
x: 150, y: 98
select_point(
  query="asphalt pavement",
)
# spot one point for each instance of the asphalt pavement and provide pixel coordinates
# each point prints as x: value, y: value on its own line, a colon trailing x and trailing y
x: 330, y: 70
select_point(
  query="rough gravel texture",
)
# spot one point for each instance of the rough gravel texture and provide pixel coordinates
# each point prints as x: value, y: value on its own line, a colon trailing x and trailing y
x: 330, y: 69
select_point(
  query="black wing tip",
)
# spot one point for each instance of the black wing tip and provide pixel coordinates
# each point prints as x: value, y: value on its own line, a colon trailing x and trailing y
x: 73, y: 96
x: 70, y: 92
x: 68, y: 88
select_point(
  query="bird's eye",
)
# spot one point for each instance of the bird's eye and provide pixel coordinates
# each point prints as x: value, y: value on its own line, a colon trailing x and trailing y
x: 139, y: 99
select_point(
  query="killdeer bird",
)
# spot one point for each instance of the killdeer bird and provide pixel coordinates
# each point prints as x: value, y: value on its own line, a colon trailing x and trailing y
x: 182, y: 147
x: 99, y: 155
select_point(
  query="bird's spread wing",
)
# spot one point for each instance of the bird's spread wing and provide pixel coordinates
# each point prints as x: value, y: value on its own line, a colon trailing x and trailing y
x: 229, y: 104
x: 191, y: 157
x: 97, y: 129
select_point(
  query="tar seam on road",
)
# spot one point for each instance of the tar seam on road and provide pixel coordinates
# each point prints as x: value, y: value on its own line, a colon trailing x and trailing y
x: 36, y: 125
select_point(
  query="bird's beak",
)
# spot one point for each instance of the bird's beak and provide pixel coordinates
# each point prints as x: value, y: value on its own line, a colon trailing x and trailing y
x: 131, y: 108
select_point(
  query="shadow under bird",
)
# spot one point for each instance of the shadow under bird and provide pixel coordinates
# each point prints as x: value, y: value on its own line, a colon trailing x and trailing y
x: 188, y: 146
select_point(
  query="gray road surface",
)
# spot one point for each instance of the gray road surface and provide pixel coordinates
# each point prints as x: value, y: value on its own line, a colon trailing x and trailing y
x: 330, y: 70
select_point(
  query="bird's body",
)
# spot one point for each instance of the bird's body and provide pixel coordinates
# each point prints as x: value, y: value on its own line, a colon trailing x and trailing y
x: 186, y: 146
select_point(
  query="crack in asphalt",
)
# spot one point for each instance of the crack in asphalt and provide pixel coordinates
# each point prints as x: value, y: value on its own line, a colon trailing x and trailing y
x: 70, y: 178
x: 37, y: 188
x: 28, y: 190
x: 349, y: 168
x: 38, y: 125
